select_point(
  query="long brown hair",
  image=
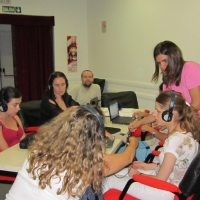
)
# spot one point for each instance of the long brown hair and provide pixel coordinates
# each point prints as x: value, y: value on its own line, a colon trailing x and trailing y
x: 175, y: 63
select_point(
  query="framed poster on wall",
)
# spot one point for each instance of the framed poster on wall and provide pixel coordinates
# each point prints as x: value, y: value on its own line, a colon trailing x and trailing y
x: 72, y: 53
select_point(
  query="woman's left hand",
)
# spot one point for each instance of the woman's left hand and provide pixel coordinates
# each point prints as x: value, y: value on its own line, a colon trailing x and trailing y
x: 108, y: 135
x: 133, y: 171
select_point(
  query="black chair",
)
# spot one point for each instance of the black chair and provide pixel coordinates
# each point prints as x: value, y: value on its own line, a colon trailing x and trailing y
x: 100, y: 82
x: 30, y: 113
x: 126, y: 99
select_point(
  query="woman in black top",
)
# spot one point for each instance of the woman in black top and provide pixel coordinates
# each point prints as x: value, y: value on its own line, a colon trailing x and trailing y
x: 56, y: 99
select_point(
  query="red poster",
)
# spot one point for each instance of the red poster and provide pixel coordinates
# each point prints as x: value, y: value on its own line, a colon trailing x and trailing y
x: 72, y: 53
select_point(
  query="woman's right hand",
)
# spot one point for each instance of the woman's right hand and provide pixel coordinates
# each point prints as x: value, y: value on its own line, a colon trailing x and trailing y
x: 134, y: 125
x: 143, y: 165
x: 138, y: 114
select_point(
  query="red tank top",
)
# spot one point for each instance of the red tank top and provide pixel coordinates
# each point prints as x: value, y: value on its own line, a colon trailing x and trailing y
x: 12, y: 137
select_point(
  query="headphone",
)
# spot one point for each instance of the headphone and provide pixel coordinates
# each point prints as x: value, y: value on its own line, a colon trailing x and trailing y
x: 97, y: 115
x: 50, y: 81
x: 167, y: 114
x: 3, y: 104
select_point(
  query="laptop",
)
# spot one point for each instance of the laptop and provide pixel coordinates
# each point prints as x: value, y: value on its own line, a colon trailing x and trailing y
x: 115, y: 117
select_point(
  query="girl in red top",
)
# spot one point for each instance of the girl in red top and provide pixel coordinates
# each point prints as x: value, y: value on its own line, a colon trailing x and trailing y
x: 11, y: 130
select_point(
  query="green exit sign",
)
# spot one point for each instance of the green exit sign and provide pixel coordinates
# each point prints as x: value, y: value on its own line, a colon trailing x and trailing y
x: 11, y: 9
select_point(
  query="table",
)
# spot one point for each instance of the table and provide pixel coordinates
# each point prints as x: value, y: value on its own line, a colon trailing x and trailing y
x: 12, y: 159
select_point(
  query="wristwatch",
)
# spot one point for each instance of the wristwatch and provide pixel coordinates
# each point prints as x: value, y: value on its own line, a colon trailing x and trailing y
x: 153, y: 133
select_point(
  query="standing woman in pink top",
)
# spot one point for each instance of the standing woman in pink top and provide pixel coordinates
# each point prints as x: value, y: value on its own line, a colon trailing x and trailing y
x: 11, y: 130
x: 177, y: 74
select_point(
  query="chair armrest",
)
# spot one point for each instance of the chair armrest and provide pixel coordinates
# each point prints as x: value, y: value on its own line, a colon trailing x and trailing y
x: 114, y: 194
x: 156, y: 183
x: 31, y: 129
x: 7, y: 178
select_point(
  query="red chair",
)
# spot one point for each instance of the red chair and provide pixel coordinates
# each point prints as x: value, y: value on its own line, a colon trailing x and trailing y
x: 9, y: 179
x: 188, y: 188
x: 31, y: 129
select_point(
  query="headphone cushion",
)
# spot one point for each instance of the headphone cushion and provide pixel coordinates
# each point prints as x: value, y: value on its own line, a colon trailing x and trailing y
x: 167, y: 115
x: 3, y: 107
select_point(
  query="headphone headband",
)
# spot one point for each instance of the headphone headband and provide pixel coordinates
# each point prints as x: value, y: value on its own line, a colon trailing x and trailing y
x: 97, y: 115
x: 3, y: 104
x: 171, y: 105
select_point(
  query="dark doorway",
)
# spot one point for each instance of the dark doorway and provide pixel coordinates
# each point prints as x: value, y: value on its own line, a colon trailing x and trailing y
x: 32, y: 43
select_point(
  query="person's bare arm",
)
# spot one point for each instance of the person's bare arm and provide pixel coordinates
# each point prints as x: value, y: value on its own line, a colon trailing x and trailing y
x: 116, y: 162
x: 166, y: 167
x: 138, y: 114
x: 157, y: 134
x: 148, y: 119
x: 195, y: 94
x: 3, y: 143
x: 20, y: 123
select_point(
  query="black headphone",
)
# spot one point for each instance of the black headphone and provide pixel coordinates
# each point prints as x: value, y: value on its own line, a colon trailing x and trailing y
x: 50, y: 81
x: 3, y: 104
x: 167, y: 114
x: 97, y: 115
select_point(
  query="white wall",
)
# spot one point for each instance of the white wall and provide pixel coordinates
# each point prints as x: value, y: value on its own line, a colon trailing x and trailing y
x: 123, y: 55
x: 6, y: 57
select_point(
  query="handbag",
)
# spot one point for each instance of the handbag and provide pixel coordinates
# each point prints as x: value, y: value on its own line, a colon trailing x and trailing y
x: 24, y: 143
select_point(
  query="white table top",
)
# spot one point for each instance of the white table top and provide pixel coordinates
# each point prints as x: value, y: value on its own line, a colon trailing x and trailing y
x: 123, y: 112
x: 12, y: 159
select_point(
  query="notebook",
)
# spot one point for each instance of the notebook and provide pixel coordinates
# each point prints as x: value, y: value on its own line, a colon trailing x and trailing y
x: 109, y: 142
x: 115, y: 117
x: 112, y: 130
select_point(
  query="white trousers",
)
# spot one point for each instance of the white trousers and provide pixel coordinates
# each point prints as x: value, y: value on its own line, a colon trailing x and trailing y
x: 137, y: 190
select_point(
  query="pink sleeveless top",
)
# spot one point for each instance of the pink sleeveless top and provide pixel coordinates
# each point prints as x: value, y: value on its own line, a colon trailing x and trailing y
x: 12, y: 137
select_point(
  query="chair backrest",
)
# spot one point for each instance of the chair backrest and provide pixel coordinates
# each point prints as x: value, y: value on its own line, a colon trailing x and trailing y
x: 190, y: 183
x: 30, y: 113
x: 100, y: 82
x: 127, y: 99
